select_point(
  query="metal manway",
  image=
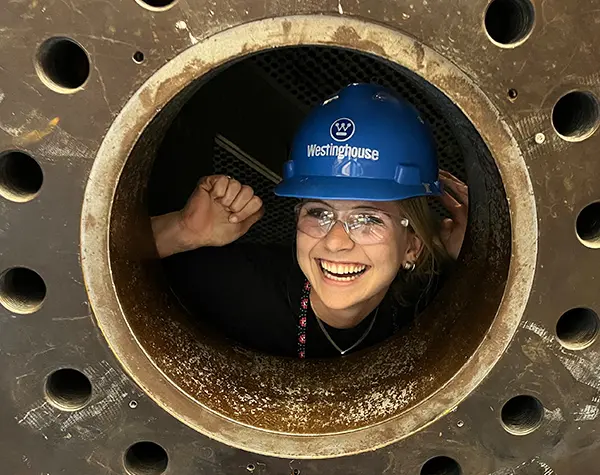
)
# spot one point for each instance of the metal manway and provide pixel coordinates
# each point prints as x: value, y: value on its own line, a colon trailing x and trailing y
x: 102, y: 371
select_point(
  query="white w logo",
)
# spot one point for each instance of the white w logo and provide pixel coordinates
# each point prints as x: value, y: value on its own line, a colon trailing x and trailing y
x: 342, y: 128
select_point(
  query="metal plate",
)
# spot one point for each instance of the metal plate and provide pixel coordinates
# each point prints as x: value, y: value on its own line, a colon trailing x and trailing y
x: 64, y: 133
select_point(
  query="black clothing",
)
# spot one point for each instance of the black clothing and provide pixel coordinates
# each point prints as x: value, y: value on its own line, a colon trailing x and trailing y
x: 252, y: 294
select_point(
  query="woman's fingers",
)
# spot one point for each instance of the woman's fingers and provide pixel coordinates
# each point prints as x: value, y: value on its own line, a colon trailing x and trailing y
x: 449, y: 202
x: 251, y: 207
x: 231, y: 194
x: 215, y: 185
x: 242, y: 198
x: 458, y: 188
x: 457, y: 210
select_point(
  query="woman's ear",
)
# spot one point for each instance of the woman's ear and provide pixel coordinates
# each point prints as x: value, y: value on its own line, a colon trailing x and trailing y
x: 414, y: 247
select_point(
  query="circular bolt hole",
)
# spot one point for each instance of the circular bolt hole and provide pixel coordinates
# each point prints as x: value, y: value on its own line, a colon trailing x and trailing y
x: 441, y: 466
x: 146, y: 458
x: 522, y: 415
x: 138, y: 57
x: 62, y: 64
x: 133, y: 404
x: 513, y: 94
x: 68, y: 389
x: 509, y: 22
x: 22, y: 290
x: 157, y: 5
x: 588, y: 225
x: 251, y: 467
x: 576, y: 116
x: 20, y: 177
x: 578, y: 328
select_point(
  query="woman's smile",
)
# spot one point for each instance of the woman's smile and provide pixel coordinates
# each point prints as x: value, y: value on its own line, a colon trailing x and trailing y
x: 339, y: 272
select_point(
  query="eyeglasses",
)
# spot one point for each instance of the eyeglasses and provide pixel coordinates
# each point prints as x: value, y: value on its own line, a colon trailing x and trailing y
x: 364, y: 227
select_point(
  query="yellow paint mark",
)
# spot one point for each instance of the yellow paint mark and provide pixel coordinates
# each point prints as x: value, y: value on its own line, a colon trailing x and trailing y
x: 37, y: 135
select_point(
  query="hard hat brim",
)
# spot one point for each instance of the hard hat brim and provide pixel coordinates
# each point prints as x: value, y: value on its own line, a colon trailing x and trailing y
x: 346, y: 188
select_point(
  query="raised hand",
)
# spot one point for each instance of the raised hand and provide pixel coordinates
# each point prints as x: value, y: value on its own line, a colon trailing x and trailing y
x: 219, y: 211
x: 453, y: 229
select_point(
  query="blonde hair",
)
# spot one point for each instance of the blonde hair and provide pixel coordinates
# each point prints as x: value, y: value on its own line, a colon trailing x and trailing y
x: 415, y: 288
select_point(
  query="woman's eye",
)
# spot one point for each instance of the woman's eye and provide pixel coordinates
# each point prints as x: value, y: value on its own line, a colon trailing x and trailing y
x: 372, y: 220
x: 319, y: 213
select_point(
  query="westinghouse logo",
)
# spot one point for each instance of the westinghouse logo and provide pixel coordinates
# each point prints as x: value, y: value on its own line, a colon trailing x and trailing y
x: 342, y: 151
x: 342, y: 130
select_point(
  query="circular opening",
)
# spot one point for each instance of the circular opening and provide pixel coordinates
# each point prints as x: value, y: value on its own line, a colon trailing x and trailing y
x: 21, y: 177
x: 509, y: 22
x: 22, y: 290
x: 513, y: 94
x: 522, y: 415
x: 237, y: 144
x: 366, y: 390
x: 578, y: 328
x: 138, y: 57
x: 576, y: 115
x: 62, y: 64
x: 441, y: 466
x: 157, y: 5
x: 68, y: 389
x: 588, y: 225
x: 146, y: 458
x: 251, y: 467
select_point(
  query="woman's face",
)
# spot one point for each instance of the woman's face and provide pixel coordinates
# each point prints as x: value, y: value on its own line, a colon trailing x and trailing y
x: 345, y: 274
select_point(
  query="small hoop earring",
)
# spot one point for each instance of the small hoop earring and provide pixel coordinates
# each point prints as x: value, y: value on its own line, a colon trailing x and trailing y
x: 409, y: 266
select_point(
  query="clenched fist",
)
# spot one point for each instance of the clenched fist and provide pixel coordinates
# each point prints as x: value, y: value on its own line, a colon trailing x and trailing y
x: 219, y: 211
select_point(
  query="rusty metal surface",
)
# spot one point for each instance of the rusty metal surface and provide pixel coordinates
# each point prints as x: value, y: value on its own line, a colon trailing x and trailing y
x: 548, y: 181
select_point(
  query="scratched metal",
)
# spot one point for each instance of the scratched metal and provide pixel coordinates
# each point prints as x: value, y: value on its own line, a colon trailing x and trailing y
x: 64, y: 133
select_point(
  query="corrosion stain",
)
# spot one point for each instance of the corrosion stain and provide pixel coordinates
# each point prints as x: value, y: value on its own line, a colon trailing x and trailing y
x: 37, y: 135
x: 420, y: 52
x: 347, y: 36
x: 90, y: 222
x: 287, y: 27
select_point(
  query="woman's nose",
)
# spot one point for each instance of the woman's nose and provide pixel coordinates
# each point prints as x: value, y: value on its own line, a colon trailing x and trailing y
x: 337, y: 239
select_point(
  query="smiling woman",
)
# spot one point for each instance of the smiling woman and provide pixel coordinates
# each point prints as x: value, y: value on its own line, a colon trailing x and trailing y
x: 364, y: 229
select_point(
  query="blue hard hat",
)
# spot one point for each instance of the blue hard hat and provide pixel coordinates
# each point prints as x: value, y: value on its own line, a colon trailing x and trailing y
x: 364, y: 143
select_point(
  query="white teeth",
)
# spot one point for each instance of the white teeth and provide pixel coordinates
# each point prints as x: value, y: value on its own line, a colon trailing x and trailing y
x: 338, y: 268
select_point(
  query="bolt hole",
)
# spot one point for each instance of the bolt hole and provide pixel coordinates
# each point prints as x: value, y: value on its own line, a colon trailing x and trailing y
x: 146, y: 458
x: 509, y: 22
x: 68, y: 389
x: 157, y: 5
x: 62, y: 64
x: 441, y: 466
x: 251, y: 467
x: 22, y: 290
x: 513, y: 94
x: 576, y: 115
x: 138, y: 57
x: 588, y: 225
x: 578, y: 328
x: 522, y: 415
x: 21, y: 177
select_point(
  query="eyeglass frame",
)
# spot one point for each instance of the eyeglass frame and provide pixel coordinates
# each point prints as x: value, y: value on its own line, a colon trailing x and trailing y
x: 404, y: 222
